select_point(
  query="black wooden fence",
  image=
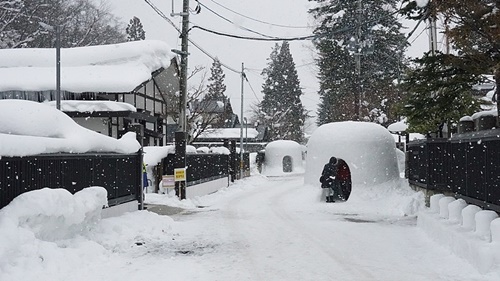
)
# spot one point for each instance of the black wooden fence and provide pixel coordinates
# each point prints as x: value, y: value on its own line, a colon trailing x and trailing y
x: 467, y: 165
x: 119, y: 174
x: 207, y: 167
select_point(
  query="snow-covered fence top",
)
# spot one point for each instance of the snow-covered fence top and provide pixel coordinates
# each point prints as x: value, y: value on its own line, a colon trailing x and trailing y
x: 106, y: 68
x: 31, y: 128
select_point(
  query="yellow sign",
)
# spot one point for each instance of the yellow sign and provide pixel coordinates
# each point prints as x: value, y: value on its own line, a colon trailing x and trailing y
x: 180, y: 174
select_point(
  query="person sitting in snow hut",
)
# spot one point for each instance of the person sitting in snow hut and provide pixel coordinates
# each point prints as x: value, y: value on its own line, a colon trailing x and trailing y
x: 329, y: 178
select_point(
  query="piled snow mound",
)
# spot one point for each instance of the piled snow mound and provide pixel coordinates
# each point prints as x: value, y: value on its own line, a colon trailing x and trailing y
x: 53, y: 214
x: 394, y: 198
x: 369, y: 150
x: 274, y: 159
x: 466, y: 230
x: 30, y: 128
x: 49, y: 234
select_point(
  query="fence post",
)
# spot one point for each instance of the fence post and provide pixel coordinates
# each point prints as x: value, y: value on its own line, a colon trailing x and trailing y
x: 139, y: 130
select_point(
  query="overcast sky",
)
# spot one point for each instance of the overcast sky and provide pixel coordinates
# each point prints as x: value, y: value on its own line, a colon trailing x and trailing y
x: 233, y: 52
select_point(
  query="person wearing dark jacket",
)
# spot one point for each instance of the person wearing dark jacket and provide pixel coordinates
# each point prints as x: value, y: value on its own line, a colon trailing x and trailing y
x: 329, y: 178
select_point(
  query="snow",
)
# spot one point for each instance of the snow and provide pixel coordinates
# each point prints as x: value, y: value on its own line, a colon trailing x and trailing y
x: 114, y: 68
x: 368, y: 149
x: 471, y: 239
x: 30, y: 128
x: 466, y: 118
x: 400, y: 126
x: 154, y: 154
x: 229, y: 133
x: 276, y: 151
x: 258, y: 228
x: 422, y: 3
x: 92, y: 106
x: 484, y: 113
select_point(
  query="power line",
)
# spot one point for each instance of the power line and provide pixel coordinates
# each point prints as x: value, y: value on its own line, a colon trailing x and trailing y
x: 251, y: 88
x: 264, y: 22
x: 161, y: 14
x: 307, y: 37
x: 230, y: 21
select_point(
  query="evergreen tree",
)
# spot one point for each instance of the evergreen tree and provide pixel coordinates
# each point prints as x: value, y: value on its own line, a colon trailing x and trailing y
x: 135, y: 31
x: 216, y: 87
x: 281, y: 109
x: 440, y: 86
x: 381, y: 47
x: 432, y: 101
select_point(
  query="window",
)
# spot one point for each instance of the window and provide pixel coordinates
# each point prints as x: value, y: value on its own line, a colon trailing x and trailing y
x: 287, y: 164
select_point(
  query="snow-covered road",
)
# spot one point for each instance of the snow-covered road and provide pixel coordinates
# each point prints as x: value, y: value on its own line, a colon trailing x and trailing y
x: 257, y: 229
x: 279, y: 230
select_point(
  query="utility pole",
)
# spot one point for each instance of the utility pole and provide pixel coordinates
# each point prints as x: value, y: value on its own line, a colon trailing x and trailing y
x: 57, y: 30
x: 432, y: 35
x: 357, y: 56
x: 180, y: 134
x: 58, y: 66
x: 241, y: 119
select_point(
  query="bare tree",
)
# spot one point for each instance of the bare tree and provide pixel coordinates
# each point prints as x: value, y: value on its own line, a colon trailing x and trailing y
x: 82, y: 22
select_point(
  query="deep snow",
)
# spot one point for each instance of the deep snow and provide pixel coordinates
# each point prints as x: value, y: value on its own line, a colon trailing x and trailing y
x: 114, y: 68
x: 31, y: 128
x: 257, y: 229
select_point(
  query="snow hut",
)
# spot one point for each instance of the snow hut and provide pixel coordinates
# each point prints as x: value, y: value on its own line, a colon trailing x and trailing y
x: 282, y: 157
x: 368, y: 149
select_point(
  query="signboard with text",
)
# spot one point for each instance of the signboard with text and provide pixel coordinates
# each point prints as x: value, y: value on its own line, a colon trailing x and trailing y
x: 180, y: 174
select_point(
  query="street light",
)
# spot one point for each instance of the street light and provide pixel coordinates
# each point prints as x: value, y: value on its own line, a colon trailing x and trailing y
x: 57, y: 30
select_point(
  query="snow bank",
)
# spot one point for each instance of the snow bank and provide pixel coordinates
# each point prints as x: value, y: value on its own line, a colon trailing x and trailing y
x: 154, y: 154
x: 469, y: 237
x: 229, y: 133
x: 92, y: 106
x: 276, y: 151
x: 30, y: 128
x: 369, y: 150
x: 112, y: 68
x: 392, y: 198
x: 49, y: 234
x: 53, y: 214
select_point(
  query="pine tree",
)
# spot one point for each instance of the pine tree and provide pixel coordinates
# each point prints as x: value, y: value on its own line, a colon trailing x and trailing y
x: 216, y: 87
x: 216, y: 96
x: 431, y: 102
x: 472, y: 30
x: 135, y: 31
x: 340, y: 87
x: 281, y: 109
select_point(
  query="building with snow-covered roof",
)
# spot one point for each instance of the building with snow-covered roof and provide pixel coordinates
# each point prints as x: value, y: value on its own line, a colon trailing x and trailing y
x: 104, y: 88
x: 368, y: 149
x: 283, y: 157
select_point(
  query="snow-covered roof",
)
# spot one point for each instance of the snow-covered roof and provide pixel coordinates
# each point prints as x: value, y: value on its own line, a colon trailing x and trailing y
x: 228, y: 133
x: 92, y: 106
x: 31, y: 128
x: 108, y: 68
